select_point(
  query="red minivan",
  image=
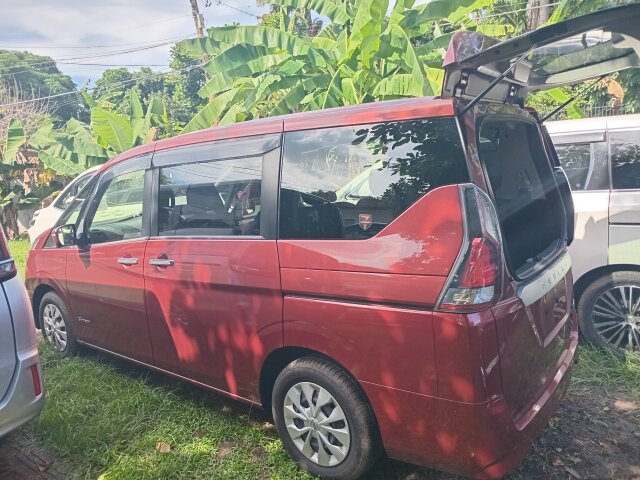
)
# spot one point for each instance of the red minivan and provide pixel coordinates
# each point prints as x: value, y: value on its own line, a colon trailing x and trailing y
x: 390, y: 277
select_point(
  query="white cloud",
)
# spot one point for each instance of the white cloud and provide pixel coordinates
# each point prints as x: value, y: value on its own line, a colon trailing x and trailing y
x: 57, y: 28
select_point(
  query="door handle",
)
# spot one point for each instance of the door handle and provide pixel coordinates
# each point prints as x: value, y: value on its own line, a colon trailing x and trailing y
x: 161, y: 262
x: 128, y: 261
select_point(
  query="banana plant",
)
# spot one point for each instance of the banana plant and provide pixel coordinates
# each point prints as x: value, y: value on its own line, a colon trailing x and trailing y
x: 117, y: 133
x: 362, y: 55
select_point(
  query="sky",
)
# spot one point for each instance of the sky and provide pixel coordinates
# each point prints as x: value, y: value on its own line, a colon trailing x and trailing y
x: 77, y: 33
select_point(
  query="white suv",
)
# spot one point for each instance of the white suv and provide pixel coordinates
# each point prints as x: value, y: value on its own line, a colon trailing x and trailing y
x: 601, y: 157
x: 21, y: 394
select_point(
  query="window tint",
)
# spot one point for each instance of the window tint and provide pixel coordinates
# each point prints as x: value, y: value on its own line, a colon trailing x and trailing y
x: 625, y: 159
x: 575, y: 160
x: 350, y: 182
x: 119, y: 212
x: 211, y: 198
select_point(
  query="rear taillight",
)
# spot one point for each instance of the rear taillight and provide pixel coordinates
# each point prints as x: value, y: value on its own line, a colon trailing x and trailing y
x: 7, y: 269
x: 476, y: 280
x: 35, y: 375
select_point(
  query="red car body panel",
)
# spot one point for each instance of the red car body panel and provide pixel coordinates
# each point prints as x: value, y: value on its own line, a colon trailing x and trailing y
x: 216, y: 313
x: 424, y: 240
x: 425, y: 107
x: 522, y: 334
x: 474, y: 439
x: 108, y: 299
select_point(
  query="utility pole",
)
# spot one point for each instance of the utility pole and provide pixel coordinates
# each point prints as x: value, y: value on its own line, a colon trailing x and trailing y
x: 198, y: 19
x: 537, y: 14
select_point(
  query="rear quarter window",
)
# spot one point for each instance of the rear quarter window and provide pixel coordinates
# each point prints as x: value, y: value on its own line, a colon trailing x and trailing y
x: 575, y: 160
x: 625, y: 159
x: 350, y: 182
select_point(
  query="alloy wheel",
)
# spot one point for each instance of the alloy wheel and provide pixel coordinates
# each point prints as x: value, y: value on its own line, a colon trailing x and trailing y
x: 616, y: 317
x: 55, y: 328
x: 317, y: 424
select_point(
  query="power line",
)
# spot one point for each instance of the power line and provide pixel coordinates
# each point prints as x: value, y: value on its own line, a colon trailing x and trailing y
x: 63, y: 47
x: 76, y: 92
x: 137, y: 27
x: 89, y: 57
x: 77, y: 65
x: 218, y: 2
x: 114, y: 64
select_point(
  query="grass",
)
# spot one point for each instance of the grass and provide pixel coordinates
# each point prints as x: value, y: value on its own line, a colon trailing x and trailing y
x: 603, y: 370
x: 19, y: 249
x: 111, y: 420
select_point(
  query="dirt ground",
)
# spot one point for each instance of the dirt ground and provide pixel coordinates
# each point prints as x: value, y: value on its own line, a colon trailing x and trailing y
x: 23, y: 458
x: 595, y: 435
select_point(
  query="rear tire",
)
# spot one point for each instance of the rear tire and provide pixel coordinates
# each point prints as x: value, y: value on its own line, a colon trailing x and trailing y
x: 304, y: 427
x: 53, y: 317
x: 609, y: 312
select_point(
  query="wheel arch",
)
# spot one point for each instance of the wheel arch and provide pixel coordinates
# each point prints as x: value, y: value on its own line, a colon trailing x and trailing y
x: 591, y: 276
x: 278, y: 359
x: 39, y: 292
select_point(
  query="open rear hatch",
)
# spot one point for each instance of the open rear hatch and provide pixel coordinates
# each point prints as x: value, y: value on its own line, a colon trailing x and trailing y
x: 564, y: 53
x: 534, y: 329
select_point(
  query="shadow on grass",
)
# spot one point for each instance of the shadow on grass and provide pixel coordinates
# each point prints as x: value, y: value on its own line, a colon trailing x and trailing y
x: 386, y: 468
x: 594, y: 435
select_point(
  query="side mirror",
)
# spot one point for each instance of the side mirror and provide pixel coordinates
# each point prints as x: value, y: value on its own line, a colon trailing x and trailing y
x: 64, y: 236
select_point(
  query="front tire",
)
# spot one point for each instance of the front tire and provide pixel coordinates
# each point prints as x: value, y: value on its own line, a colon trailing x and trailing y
x: 54, y: 320
x: 609, y: 312
x: 324, y: 420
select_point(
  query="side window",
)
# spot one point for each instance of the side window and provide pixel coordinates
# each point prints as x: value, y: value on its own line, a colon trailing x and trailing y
x: 625, y: 159
x: 575, y: 159
x: 119, y: 212
x: 350, y: 182
x: 211, y: 198
x: 71, y: 213
x: 64, y: 200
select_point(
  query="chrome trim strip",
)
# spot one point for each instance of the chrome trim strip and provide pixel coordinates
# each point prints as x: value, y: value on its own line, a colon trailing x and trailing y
x: 539, y: 286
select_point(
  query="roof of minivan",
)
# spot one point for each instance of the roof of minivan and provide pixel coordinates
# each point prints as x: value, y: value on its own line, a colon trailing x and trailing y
x: 389, y: 110
x: 593, y: 124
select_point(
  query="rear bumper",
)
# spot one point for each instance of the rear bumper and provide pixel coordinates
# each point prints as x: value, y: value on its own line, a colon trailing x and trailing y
x: 20, y: 404
x: 533, y: 422
x: 477, y: 440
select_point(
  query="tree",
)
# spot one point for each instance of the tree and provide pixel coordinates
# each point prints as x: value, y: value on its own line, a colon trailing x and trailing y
x: 20, y: 181
x: 116, y: 132
x: 362, y: 55
x: 26, y: 75
x: 176, y: 90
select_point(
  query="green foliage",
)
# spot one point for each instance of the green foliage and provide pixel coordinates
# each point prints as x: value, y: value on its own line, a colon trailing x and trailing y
x: 15, y: 139
x: 76, y: 146
x: 363, y: 55
x: 177, y: 91
x: 38, y: 76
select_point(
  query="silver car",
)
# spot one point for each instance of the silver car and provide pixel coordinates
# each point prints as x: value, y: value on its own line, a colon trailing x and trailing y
x: 601, y: 157
x: 21, y: 389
